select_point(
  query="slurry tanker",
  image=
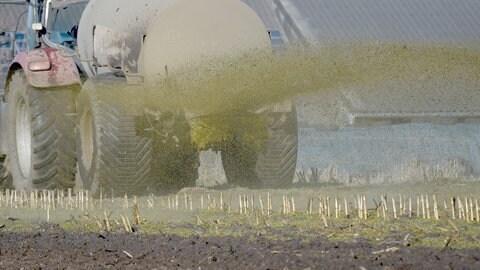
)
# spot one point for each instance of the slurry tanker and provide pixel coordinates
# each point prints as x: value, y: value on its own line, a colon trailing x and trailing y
x: 78, y: 96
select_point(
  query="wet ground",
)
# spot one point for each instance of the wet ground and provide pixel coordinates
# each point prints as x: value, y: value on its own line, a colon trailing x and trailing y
x: 51, y: 247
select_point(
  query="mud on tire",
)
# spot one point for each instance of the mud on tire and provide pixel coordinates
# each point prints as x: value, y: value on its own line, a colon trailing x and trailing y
x: 272, y: 166
x: 40, y: 135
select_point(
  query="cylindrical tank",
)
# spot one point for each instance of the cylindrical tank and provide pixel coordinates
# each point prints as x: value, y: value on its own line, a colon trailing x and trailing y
x: 145, y: 36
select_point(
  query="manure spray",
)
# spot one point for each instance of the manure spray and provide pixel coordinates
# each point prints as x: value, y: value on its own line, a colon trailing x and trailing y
x: 390, y: 76
x: 413, y: 76
x: 248, y: 81
x: 258, y: 78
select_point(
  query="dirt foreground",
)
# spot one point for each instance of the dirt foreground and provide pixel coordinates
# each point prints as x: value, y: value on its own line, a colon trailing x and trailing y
x: 51, y: 247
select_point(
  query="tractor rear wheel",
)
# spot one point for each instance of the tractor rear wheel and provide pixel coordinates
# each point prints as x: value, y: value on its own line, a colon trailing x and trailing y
x: 274, y: 164
x: 41, y: 153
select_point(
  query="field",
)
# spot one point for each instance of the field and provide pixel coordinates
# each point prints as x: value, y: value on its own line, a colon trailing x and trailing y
x: 387, y: 125
x: 426, y: 217
x: 410, y: 225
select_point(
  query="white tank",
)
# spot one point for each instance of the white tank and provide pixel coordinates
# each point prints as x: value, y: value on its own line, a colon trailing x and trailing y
x: 144, y: 36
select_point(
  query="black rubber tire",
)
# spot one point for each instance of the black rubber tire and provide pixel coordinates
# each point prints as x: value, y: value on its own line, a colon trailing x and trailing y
x: 111, y: 156
x: 274, y: 165
x: 41, y: 153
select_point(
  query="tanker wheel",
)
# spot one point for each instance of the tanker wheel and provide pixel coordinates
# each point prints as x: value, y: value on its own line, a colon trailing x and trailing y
x: 111, y: 156
x: 272, y: 166
x: 176, y: 158
x: 41, y: 153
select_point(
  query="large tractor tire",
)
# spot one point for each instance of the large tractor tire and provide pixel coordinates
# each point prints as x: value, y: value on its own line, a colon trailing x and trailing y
x: 41, y: 146
x: 111, y: 156
x: 274, y: 164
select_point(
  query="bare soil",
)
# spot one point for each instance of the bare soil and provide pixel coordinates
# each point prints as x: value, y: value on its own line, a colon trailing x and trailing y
x: 51, y: 247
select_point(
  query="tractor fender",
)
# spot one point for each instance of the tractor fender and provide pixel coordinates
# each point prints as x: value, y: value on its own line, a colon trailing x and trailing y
x: 46, y: 67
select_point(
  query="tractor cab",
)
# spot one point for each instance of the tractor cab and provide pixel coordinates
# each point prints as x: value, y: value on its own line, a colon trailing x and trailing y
x: 61, y: 20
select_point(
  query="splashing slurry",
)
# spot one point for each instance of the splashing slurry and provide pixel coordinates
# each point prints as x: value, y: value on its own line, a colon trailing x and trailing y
x: 390, y: 76
x: 259, y: 78
x: 332, y: 83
